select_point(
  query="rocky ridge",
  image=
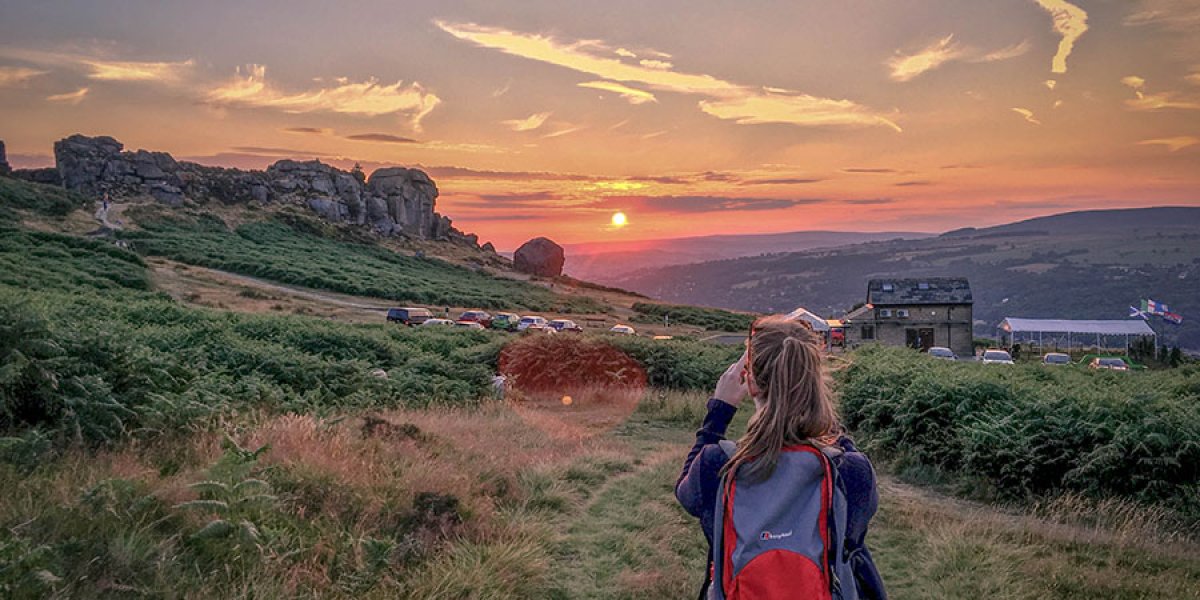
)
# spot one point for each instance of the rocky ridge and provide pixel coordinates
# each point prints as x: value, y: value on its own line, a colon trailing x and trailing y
x: 394, y: 201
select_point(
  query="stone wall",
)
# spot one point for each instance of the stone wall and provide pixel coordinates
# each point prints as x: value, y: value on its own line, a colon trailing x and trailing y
x: 394, y: 201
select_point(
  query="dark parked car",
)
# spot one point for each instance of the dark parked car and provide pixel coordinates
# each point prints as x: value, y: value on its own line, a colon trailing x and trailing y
x: 408, y: 316
x: 476, y: 316
x: 1056, y: 358
x: 1108, y: 364
x: 942, y: 353
x: 564, y: 325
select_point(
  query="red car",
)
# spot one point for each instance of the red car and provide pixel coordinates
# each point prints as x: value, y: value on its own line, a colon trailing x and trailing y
x: 476, y: 316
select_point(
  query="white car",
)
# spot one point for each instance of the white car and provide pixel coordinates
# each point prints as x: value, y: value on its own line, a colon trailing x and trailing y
x: 469, y: 324
x: 622, y: 329
x: 531, y: 321
x: 436, y: 322
x: 996, y: 357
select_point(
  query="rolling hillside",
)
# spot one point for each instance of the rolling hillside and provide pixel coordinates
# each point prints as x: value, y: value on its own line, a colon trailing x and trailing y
x: 1086, y: 265
x: 611, y: 262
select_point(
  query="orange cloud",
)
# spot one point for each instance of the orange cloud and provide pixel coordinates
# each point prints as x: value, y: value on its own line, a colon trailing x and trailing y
x: 368, y: 98
x: 1149, y: 102
x: 1070, y: 22
x: 70, y: 97
x: 529, y: 123
x: 632, y: 95
x: 1173, y: 144
x: 16, y: 75
x: 743, y: 104
x: 1028, y: 114
x: 112, y: 70
x: 906, y: 67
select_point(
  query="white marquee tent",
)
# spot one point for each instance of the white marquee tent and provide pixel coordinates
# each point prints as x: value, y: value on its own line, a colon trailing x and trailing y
x: 1075, y: 329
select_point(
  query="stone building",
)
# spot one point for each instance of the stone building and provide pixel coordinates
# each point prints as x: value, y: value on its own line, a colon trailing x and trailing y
x: 917, y: 313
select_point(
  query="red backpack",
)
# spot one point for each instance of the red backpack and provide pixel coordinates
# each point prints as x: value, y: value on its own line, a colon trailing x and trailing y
x: 782, y: 537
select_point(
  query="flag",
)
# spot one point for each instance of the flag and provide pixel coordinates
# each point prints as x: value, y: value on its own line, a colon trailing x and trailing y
x: 1133, y: 312
x: 1154, y: 308
x: 1172, y: 318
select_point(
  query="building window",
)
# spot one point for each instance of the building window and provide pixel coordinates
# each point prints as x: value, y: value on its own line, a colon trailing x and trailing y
x: 922, y: 286
x: 868, y: 332
x: 887, y: 287
x: 885, y: 312
x: 902, y: 313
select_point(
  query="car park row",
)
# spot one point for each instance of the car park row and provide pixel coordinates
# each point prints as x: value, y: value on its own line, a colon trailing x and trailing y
x: 479, y: 319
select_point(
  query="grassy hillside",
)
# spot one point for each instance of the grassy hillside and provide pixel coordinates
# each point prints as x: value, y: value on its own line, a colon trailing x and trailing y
x: 1093, y: 267
x: 302, y: 251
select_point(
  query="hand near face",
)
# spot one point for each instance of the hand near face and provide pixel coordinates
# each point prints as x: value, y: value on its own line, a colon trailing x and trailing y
x: 731, y: 387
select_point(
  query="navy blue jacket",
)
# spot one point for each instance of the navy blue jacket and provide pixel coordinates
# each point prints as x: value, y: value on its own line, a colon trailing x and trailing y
x: 700, y: 481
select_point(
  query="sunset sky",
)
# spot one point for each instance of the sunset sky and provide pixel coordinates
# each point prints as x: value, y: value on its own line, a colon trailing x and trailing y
x: 691, y: 118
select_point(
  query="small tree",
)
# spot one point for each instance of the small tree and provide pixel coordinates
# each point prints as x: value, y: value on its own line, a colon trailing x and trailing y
x: 1176, y: 357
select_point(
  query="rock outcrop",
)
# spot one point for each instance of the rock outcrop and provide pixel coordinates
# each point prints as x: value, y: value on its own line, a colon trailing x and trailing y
x: 394, y: 201
x: 539, y: 256
x: 5, y: 169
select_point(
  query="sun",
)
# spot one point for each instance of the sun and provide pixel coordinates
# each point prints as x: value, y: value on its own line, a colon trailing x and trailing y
x: 618, y: 219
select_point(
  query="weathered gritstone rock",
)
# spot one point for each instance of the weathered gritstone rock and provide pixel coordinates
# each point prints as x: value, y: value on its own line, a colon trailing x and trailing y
x: 394, y: 201
x: 539, y: 256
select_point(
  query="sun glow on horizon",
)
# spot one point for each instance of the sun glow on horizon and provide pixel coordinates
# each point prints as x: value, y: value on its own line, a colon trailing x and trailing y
x: 619, y: 220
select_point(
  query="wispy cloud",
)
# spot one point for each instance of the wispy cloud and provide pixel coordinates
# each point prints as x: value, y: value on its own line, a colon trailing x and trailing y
x: 907, y: 66
x: 502, y: 90
x: 565, y: 129
x: 1173, y: 144
x: 725, y: 100
x: 16, y: 75
x: 74, y: 97
x: 1027, y: 114
x: 528, y: 123
x: 1006, y: 52
x: 868, y: 201
x: 308, y: 130
x: 1070, y: 22
x: 271, y: 151
x: 386, y: 138
x: 368, y: 98
x: 706, y: 204
x: 866, y: 170
x: 1158, y: 101
x: 913, y: 183
x: 1182, y: 15
x: 632, y: 95
x: 781, y: 181
x: 650, y: 63
x: 116, y: 70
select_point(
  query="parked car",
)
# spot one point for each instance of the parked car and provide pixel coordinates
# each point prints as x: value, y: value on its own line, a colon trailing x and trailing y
x: 564, y: 325
x: 996, y: 357
x: 437, y: 322
x: 505, y: 321
x: 1108, y: 364
x: 942, y: 353
x: 408, y: 316
x: 1056, y: 358
x: 531, y: 321
x: 622, y: 329
x: 469, y: 324
x: 476, y: 316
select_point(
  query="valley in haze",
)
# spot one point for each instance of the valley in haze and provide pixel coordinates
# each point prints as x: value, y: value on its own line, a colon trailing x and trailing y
x: 610, y: 262
x: 1079, y: 265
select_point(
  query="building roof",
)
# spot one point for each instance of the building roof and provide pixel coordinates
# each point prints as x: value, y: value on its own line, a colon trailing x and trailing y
x: 818, y: 323
x: 1122, y: 327
x: 928, y: 290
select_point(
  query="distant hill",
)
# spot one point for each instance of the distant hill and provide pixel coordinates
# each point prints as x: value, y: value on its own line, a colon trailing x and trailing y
x: 1086, y: 265
x: 610, y: 262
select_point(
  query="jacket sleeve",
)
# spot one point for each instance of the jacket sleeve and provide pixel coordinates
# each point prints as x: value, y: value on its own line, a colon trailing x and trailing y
x: 690, y: 487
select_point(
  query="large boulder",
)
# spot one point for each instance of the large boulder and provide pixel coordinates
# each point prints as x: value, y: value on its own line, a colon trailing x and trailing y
x: 4, y: 168
x: 539, y: 256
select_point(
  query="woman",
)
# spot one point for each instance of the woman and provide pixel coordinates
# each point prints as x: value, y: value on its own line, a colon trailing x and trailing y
x: 782, y: 371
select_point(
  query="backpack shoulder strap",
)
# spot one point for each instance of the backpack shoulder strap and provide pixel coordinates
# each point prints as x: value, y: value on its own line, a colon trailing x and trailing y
x: 729, y: 447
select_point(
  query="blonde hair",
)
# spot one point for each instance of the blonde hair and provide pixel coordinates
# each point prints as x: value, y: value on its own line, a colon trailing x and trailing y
x: 784, y: 361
